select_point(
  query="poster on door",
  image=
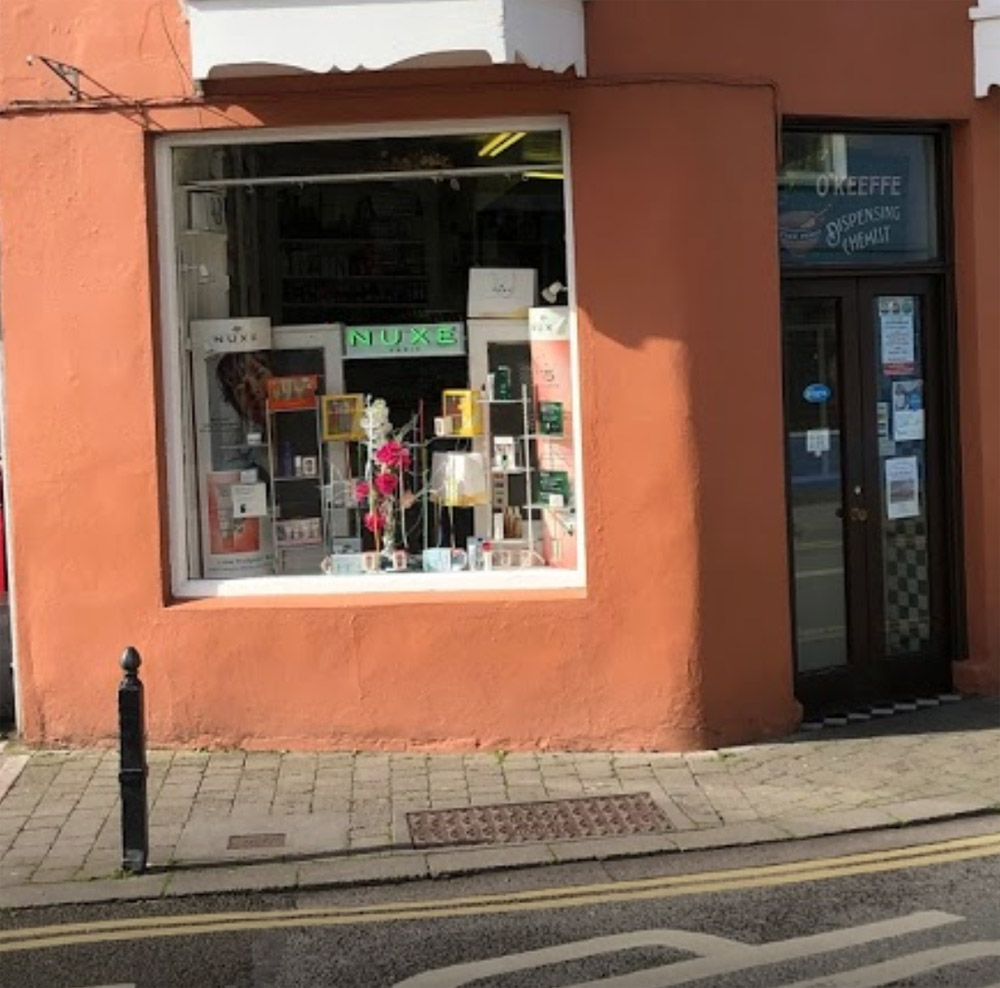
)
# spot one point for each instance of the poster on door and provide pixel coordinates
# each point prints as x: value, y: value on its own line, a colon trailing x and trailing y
x: 897, y: 329
x: 908, y: 410
x: 902, y: 488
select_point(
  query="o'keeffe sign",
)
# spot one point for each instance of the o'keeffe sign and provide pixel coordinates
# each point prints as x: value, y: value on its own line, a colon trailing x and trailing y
x: 405, y: 340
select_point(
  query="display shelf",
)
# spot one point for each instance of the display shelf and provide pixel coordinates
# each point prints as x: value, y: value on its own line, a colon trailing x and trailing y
x: 354, y: 277
x: 500, y: 498
x: 296, y: 499
x: 349, y: 241
x: 351, y: 305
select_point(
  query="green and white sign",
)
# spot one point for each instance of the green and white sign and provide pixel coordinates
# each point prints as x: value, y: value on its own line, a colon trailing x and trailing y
x: 406, y: 340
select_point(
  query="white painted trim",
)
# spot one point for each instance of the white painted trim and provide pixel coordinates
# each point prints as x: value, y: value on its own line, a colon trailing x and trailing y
x: 407, y: 583
x: 240, y: 38
x: 347, y: 132
x: 579, y: 495
x: 173, y: 334
x: 986, y: 45
x: 172, y: 337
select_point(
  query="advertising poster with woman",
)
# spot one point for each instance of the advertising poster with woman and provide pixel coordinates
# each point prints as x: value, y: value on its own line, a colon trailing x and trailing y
x: 230, y: 371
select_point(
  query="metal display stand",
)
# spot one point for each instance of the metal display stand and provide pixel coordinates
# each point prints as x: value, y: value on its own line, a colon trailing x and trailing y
x: 298, y: 519
x: 501, y: 475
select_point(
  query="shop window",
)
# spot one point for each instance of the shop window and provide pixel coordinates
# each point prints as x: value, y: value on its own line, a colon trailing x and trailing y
x: 373, y: 363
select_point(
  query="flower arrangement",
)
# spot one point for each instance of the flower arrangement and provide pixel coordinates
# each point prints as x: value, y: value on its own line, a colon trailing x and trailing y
x: 383, y: 491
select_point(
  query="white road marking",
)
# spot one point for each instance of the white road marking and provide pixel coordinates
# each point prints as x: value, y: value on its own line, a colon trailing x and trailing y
x: 717, y: 955
x: 908, y: 966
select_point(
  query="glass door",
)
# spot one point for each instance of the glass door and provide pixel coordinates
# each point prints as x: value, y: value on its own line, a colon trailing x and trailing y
x: 864, y: 464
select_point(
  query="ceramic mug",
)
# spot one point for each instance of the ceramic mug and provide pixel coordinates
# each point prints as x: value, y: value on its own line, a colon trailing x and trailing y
x: 444, y: 560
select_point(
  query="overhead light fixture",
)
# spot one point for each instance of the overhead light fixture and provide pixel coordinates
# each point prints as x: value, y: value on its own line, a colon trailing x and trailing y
x: 553, y: 175
x: 512, y: 139
x: 500, y: 143
x: 487, y: 149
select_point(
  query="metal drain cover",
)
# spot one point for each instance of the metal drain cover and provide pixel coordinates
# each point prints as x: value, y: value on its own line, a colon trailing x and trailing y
x: 252, y: 842
x: 561, y: 819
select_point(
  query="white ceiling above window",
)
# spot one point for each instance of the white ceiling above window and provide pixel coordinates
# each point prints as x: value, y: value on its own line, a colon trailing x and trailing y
x: 231, y: 38
x: 986, y: 39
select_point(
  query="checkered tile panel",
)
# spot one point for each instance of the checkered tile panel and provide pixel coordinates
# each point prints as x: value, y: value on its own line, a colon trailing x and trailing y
x: 907, y: 587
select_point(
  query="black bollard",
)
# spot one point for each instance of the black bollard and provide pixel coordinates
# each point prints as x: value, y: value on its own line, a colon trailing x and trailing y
x: 132, y: 766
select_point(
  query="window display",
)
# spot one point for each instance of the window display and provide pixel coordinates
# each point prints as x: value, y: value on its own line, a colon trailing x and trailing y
x: 375, y: 388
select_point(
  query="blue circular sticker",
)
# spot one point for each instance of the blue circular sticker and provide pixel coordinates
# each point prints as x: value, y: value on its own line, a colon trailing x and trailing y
x: 816, y: 394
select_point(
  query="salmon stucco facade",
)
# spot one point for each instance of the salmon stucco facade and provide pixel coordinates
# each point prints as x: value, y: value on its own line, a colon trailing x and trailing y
x: 527, y: 374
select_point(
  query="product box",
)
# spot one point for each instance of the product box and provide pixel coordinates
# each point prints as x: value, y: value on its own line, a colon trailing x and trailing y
x: 553, y: 487
x: 296, y: 391
x: 464, y: 410
x: 342, y: 417
x: 501, y: 293
x: 550, y: 418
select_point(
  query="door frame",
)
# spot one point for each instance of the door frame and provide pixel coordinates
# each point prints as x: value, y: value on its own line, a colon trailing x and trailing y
x: 869, y: 674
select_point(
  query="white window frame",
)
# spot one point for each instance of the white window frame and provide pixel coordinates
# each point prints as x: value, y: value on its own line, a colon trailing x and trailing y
x: 178, y: 440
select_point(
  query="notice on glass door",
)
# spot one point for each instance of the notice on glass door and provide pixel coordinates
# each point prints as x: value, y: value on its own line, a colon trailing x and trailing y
x: 897, y: 321
x: 818, y: 441
x: 902, y: 488
x: 908, y: 410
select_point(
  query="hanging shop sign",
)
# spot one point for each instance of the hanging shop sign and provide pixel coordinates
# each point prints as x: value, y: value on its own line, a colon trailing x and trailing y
x: 406, y: 340
x: 856, y: 199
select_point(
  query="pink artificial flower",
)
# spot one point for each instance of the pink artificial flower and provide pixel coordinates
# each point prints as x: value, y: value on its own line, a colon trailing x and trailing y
x: 385, y: 484
x: 361, y: 490
x: 374, y: 522
x: 393, y: 454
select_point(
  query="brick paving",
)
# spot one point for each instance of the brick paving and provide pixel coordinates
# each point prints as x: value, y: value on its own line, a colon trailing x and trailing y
x: 342, y: 816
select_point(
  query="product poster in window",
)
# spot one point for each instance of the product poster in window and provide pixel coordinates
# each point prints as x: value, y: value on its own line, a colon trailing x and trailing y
x: 551, y: 370
x: 230, y: 369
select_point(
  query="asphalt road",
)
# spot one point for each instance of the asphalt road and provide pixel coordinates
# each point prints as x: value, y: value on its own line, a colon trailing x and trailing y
x: 918, y: 907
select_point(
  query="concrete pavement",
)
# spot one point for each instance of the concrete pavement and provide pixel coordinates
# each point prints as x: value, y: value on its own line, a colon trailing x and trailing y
x: 233, y: 820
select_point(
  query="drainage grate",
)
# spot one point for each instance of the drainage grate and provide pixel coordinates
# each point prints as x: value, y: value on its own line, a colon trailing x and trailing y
x: 251, y: 842
x: 562, y: 819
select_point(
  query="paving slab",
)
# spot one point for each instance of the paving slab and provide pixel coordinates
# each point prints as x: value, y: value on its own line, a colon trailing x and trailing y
x: 341, y: 816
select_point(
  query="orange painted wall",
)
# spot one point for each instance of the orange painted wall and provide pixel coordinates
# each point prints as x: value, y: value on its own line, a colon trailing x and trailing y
x: 682, y: 637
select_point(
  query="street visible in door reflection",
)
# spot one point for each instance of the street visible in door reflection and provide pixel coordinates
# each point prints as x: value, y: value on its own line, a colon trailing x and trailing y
x: 813, y: 438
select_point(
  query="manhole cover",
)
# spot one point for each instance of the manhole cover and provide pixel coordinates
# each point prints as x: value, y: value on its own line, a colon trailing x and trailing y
x: 561, y: 819
x: 251, y: 842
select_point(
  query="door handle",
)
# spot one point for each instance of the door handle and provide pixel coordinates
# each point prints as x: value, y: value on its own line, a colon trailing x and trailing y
x: 859, y: 514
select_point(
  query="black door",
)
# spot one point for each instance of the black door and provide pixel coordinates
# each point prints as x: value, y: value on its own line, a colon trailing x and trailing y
x: 864, y: 452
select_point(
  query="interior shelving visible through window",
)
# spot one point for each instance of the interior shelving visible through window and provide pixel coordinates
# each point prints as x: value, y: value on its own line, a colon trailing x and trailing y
x: 374, y: 365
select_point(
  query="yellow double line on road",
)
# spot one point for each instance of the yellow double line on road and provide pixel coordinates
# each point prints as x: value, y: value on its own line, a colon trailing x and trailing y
x: 573, y: 896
